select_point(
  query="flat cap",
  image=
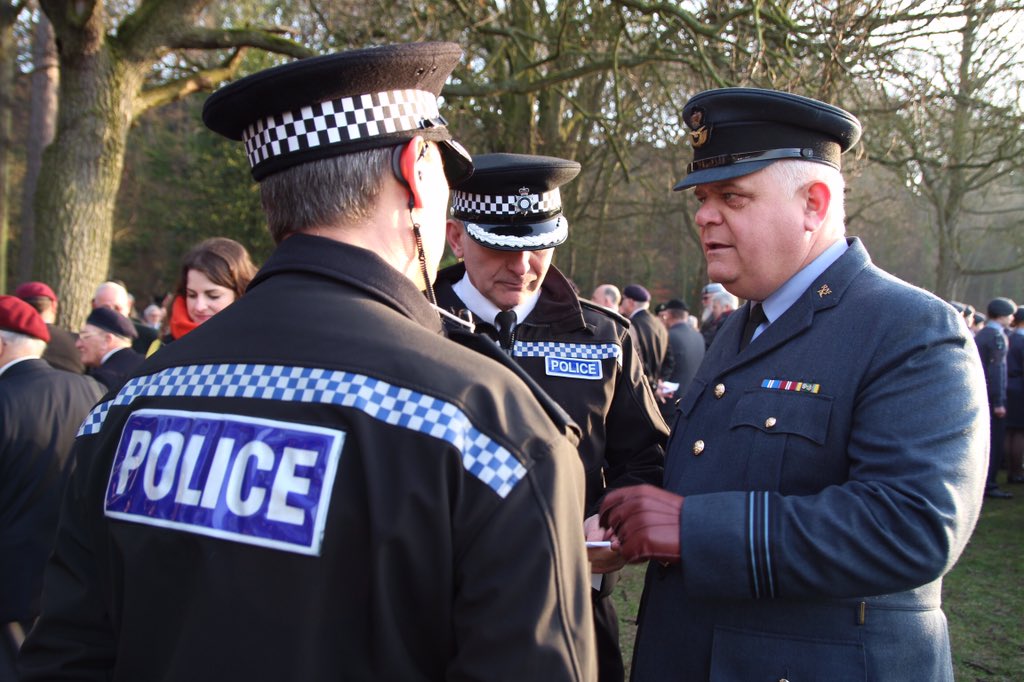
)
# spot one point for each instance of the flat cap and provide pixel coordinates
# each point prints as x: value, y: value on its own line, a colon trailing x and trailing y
x: 340, y: 103
x: 738, y: 131
x: 672, y: 304
x: 21, y: 318
x: 512, y: 201
x: 29, y: 290
x: 636, y: 292
x: 110, y: 320
x: 1001, y: 307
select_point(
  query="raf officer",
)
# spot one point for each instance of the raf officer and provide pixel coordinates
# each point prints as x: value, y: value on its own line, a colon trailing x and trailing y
x: 993, y: 347
x: 507, y: 221
x: 827, y: 464
x: 336, y: 490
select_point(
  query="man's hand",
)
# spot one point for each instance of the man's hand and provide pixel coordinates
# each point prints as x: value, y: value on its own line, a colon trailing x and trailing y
x: 602, y: 560
x: 645, y: 520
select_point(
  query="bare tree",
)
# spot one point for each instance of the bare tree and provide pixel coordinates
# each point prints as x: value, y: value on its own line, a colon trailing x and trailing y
x: 951, y: 106
x: 111, y: 70
x: 9, y: 12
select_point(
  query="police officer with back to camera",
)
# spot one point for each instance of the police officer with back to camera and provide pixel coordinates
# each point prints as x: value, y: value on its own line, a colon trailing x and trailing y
x: 317, y: 484
x: 507, y: 221
x: 826, y: 465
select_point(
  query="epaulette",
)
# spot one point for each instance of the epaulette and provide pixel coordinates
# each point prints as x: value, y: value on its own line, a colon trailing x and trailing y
x: 608, y: 312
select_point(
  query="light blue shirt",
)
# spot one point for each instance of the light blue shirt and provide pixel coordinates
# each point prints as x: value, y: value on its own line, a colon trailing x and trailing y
x: 785, y: 296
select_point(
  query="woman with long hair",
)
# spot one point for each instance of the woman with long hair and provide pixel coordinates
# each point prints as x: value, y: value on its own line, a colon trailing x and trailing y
x: 214, y: 274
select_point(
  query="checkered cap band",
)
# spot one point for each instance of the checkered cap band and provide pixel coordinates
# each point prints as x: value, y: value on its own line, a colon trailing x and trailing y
x: 568, y: 351
x: 481, y: 205
x: 401, y: 407
x: 337, y: 121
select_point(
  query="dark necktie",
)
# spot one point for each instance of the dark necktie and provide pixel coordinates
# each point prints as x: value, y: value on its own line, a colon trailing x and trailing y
x: 756, y: 318
x: 506, y: 325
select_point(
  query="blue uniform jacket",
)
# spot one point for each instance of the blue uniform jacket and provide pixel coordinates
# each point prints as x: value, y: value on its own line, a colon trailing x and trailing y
x: 821, y: 514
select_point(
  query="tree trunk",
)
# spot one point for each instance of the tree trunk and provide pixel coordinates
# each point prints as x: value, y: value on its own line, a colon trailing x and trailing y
x: 42, y: 123
x: 8, y: 15
x: 80, y: 175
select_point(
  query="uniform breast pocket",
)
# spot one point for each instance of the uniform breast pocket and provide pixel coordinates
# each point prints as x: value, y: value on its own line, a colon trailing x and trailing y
x: 783, y: 434
x: 750, y: 655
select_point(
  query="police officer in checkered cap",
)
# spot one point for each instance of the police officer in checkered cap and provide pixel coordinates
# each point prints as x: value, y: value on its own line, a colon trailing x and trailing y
x: 317, y: 484
x: 506, y: 222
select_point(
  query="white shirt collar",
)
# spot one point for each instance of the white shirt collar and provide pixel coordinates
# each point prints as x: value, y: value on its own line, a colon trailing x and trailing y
x: 480, y: 306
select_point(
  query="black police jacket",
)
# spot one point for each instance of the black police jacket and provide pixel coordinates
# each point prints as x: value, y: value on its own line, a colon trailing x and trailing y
x: 314, y: 485
x: 583, y: 356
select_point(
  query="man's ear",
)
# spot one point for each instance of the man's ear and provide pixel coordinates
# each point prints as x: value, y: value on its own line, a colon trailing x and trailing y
x: 817, y: 201
x: 453, y: 232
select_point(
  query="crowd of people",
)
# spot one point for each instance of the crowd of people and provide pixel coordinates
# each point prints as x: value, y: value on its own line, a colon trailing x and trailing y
x: 349, y: 463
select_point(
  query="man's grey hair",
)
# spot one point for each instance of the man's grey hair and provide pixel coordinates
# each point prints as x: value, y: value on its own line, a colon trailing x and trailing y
x: 792, y: 174
x: 323, y: 193
x: 23, y: 345
x: 724, y: 298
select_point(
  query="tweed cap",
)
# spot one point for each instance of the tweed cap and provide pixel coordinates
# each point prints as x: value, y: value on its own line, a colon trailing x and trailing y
x: 512, y: 202
x: 110, y: 320
x: 738, y: 131
x: 340, y: 103
x: 21, y: 318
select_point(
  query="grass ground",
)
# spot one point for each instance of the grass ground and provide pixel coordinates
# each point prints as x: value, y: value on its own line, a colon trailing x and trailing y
x: 983, y: 597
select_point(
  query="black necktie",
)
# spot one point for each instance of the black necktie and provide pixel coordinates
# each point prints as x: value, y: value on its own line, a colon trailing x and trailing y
x: 756, y: 318
x: 506, y: 325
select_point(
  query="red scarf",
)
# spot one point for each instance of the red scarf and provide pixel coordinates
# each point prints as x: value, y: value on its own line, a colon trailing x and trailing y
x: 181, y: 323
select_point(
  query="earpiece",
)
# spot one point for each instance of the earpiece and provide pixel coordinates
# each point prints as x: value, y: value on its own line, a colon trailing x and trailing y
x: 403, y: 163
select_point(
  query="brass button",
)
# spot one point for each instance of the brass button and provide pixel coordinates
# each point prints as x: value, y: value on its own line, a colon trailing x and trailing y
x: 769, y: 422
x: 698, y: 447
x: 719, y: 390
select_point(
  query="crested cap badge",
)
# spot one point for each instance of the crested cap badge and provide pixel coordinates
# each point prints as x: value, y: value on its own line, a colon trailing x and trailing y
x: 824, y: 291
x: 524, y: 203
x: 700, y: 133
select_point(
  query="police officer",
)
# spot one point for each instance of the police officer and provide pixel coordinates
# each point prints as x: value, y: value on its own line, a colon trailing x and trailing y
x: 507, y: 221
x: 993, y: 346
x: 826, y: 464
x: 316, y: 484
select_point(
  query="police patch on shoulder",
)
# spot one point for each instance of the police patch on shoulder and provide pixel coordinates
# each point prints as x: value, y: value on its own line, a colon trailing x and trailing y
x: 573, y: 368
x: 244, y: 479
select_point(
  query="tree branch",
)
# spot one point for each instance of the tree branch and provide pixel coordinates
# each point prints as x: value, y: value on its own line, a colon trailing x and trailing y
x: 172, y: 91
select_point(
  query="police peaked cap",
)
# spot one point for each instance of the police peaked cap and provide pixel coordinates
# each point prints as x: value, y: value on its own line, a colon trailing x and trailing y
x: 512, y: 202
x: 738, y: 131
x: 340, y: 103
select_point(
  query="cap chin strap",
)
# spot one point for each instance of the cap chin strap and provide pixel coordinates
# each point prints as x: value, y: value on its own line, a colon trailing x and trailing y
x: 805, y: 153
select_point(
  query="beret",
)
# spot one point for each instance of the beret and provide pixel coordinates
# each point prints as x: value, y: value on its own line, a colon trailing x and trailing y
x: 672, y: 304
x: 340, y: 103
x: 512, y: 202
x: 110, y: 320
x: 1018, y: 315
x: 712, y: 288
x: 636, y: 292
x: 1001, y: 307
x: 29, y: 290
x: 738, y: 131
x: 21, y: 318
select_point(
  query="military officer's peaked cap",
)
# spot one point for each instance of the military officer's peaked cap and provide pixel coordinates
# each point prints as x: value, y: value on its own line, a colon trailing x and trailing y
x: 340, y: 103
x: 738, y: 131
x: 512, y: 202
